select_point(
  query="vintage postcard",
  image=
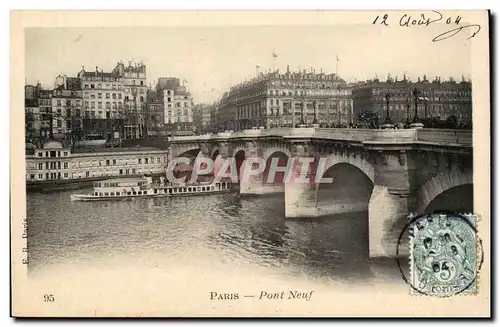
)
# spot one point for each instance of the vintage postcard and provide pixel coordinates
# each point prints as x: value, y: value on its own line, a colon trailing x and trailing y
x: 250, y: 164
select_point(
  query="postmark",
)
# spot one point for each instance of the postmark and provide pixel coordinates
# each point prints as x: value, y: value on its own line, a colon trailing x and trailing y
x: 444, y: 256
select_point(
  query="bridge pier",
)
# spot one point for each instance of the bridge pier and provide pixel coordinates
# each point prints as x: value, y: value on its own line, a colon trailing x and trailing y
x: 387, y: 218
x: 300, y: 200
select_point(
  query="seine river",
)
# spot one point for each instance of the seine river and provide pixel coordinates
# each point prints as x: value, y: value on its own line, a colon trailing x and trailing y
x: 226, y: 230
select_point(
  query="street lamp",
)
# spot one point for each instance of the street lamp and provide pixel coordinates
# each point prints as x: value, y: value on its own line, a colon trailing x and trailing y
x: 416, y: 123
x: 302, y: 122
x: 387, y: 123
x: 315, y: 120
x: 408, y: 114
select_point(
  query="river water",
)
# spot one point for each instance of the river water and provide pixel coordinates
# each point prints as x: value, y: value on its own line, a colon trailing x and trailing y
x: 223, y: 231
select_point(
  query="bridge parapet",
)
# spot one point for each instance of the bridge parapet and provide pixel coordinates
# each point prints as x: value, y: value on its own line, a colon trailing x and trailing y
x: 445, y: 136
x: 434, y: 136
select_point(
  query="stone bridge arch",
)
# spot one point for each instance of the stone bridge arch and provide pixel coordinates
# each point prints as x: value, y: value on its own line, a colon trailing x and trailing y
x: 439, y: 187
x: 283, y: 156
x: 353, y: 180
x: 269, y: 152
x: 214, y: 153
x: 358, y: 161
x: 187, y: 152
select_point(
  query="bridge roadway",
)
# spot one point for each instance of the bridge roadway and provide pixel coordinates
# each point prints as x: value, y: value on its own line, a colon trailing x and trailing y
x: 388, y: 173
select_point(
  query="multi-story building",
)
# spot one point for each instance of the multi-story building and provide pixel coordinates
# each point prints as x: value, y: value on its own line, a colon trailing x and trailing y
x: 177, y: 103
x: 155, y: 113
x: 135, y: 93
x: 32, y: 112
x: 102, y: 104
x: 214, y: 123
x: 57, y: 161
x: 67, y: 108
x: 288, y: 99
x: 45, y: 112
x: 437, y: 99
x: 202, y: 117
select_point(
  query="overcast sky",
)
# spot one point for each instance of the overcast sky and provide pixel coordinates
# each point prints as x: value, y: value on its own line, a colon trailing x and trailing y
x: 213, y: 58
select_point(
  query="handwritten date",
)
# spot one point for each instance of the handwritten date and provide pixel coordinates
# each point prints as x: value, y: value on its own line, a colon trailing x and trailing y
x: 426, y: 20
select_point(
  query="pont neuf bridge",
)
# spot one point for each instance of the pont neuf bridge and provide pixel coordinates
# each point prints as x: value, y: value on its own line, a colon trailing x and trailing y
x: 388, y: 173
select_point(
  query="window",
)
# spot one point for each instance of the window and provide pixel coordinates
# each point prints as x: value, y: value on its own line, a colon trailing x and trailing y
x: 87, y: 174
x: 86, y: 86
x: 185, y: 104
x: 92, y: 86
x: 107, y: 162
x: 107, y: 96
x: 65, y: 153
x: 139, y: 160
x: 114, y: 162
x: 99, y: 105
x: 99, y: 95
x: 119, y: 95
x: 146, y: 161
x: 121, y: 171
x: 114, y: 96
x: 40, y: 176
x: 40, y: 165
x: 133, y: 171
x: 40, y: 154
x: 142, y: 82
x: 106, y: 193
x: 158, y: 160
x: 65, y: 175
x: 65, y: 165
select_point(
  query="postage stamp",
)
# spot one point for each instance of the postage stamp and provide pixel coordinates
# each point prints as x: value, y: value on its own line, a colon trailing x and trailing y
x: 444, y: 257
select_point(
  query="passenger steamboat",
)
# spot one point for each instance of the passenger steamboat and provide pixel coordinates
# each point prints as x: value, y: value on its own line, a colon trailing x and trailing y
x: 145, y: 187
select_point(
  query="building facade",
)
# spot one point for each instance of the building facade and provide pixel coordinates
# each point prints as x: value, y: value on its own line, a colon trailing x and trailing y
x: 102, y: 104
x: 177, y: 103
x: 435, y: 99
x: 45, y: 112
x: 288, y: 99
x: 155, y: 114
x: 134, y: 97
x: 67, y: 102
x: 56, y: 161
x: 202, y: 117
